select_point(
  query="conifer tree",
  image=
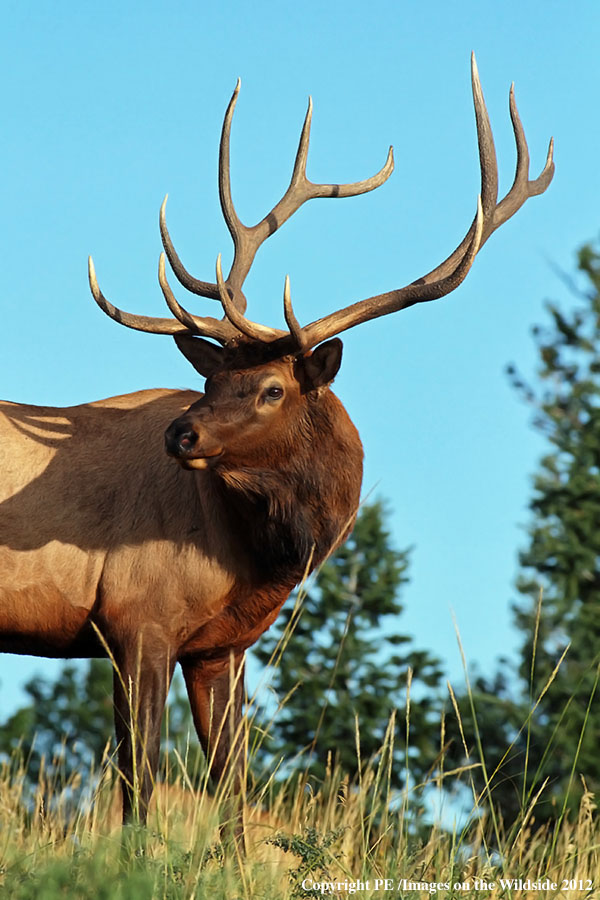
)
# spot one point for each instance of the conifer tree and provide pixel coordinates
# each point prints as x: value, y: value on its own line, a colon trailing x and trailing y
x: 560, y: 564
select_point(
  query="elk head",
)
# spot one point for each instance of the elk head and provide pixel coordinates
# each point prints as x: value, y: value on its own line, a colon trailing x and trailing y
x: 247, y: 397
x: 261, y: 376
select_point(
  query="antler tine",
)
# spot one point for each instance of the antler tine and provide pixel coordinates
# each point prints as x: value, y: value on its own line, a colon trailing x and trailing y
x: 201, y: 325
x: 194, y: 285
x: 488, y: 164
x: 229, y: 214
x: 252, y: 330
x: 299, y: 171
x: 290, y: 318
x: 522, y: 188
x: 151, y: 324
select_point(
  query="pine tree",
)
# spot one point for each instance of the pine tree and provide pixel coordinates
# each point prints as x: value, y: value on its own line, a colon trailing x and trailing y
x: 346, y: 663
x: 562, y: 565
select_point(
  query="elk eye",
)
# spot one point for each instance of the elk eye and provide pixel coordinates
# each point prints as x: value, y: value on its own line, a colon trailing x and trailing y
x: 274, y: 393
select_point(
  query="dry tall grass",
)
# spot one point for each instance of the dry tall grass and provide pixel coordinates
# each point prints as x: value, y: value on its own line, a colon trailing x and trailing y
x: 346, y: 838
x: 343, y: 839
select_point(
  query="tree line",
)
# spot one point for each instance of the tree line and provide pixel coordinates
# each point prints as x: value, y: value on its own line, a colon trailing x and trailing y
x: 341, y: 668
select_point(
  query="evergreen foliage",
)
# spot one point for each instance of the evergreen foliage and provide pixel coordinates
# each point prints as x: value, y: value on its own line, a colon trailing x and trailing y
x: 347, y: 664
x: 561, y: 564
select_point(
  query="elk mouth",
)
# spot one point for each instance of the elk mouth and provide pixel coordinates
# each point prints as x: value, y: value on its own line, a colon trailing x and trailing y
x: 199, y: 462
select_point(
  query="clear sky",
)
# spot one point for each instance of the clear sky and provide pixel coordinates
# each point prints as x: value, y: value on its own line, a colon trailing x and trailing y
x: 106, y: 107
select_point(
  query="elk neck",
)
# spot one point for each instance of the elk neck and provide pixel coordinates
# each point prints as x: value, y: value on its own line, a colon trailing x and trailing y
x: 301, y: 502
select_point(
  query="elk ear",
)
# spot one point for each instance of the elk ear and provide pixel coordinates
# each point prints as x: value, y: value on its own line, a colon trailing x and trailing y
x: 321, y: 367
x: 204, y: 356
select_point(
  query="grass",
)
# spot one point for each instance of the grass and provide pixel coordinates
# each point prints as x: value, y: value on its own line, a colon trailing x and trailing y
x: 336, y: 837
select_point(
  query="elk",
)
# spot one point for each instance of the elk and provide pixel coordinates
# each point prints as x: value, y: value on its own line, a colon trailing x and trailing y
x: 111, y: 546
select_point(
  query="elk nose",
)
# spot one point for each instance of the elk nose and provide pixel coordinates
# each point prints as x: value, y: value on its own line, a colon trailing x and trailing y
x: 187, y: 440
x: 180, y: 440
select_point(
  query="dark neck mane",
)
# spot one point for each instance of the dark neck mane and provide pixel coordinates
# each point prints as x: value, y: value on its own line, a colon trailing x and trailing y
x: 290, y: 516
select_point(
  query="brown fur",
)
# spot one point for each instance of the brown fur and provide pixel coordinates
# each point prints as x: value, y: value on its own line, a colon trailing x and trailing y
x: 101, y: 532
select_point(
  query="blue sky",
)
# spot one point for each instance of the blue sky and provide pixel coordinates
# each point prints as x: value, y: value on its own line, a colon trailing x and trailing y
x: 107, y: 107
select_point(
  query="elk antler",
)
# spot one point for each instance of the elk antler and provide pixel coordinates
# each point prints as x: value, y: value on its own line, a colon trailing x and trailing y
x: 449, y: 274
x: 183, y: 323
x: 437, y: 283
x: 247, y: 240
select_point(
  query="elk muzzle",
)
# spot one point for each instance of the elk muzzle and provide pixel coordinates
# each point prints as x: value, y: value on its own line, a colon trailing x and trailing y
x: 191, y: 444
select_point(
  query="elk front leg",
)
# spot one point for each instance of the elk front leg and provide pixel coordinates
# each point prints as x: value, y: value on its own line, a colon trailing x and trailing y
x: 216, y: 702
x: 141, y: 683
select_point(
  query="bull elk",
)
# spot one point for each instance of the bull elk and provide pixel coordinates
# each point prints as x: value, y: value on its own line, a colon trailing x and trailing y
x: 110, y: 545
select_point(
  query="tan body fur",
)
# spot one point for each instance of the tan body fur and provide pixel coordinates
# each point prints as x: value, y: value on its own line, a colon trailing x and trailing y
x: 98, y: 524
